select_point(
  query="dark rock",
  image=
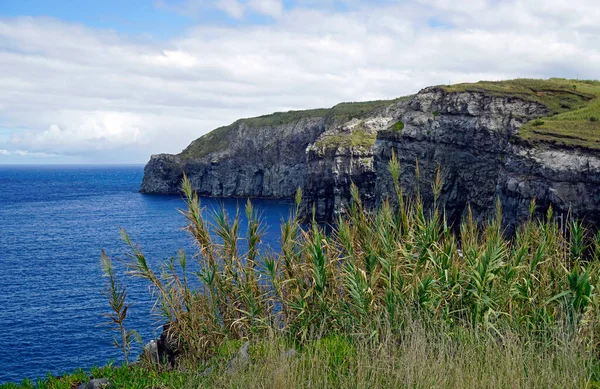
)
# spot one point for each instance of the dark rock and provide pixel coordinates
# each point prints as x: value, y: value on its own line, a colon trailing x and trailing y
x: 207, y: 372
x: 95, y: 383
x: 165, y: 350
x: 470, y: 141
x: 241, y: 360
x: 468, y: 134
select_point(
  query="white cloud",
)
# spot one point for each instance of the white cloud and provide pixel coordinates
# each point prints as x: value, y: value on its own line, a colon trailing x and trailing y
x: 26, y: 153
x: 71, y: 90
x: 98, y: 130
x: 233, y: 8
x: 273, y: 8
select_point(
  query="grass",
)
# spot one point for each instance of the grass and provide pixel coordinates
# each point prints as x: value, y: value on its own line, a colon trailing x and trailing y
x: 573, y: 108
x: 344, y: 112
x: 420, y: 358
x: 358, y: 138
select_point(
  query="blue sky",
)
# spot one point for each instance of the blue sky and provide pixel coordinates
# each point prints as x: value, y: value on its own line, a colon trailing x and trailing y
x: 160, y: 19
x: 131, y: 16
x: 116, y: 81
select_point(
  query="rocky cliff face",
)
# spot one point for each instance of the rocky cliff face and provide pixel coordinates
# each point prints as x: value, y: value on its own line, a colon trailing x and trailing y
x: 472, y: 137
x: 343, y: 155
x: 259, y: 161
x: 471, y: 134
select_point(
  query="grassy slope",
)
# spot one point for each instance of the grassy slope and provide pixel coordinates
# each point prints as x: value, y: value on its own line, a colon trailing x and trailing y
x: 573, y: 105
x: 422, y: 359
x: 218, y: 139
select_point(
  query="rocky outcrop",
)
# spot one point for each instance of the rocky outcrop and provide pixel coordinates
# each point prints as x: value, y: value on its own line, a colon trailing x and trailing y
x: 264, y: 161
x: 471, y: 134
x: 472, y: 137
x: 344, y: 155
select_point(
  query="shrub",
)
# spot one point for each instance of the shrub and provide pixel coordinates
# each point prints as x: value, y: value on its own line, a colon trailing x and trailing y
x: 537, y: 122
x: 399, y: 126
x: 593, y: 118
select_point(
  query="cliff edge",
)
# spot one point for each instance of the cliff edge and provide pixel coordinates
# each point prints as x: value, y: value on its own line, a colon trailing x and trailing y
x: 514, y: 140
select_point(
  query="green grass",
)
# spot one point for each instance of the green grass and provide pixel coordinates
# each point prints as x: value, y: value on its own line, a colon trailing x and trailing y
x: 573, y: 106
x: 345, y: 112
x: 420, y: 358
x: 359, y: 138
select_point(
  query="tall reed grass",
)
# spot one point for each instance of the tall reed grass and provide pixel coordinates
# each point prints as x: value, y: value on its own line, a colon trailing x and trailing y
x: 374, y: 276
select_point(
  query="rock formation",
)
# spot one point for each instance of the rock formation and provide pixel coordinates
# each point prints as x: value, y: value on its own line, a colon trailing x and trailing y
x: 473, y: 132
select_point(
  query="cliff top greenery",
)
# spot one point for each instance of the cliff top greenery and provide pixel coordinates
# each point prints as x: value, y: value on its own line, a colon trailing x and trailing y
x: 573, y: 108
x: 218, y: 139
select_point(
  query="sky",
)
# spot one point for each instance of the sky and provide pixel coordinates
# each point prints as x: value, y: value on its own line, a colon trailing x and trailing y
x: 113, y: 81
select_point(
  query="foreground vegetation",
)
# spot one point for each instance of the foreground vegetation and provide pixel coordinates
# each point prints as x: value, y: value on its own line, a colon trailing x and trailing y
x: 419, y: 358
x: 392, y: 298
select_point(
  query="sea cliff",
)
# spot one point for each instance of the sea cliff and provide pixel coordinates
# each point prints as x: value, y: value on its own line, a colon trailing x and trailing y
x: 512, y: 140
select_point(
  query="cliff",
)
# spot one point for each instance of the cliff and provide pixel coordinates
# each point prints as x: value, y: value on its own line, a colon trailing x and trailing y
x: 513, y: 140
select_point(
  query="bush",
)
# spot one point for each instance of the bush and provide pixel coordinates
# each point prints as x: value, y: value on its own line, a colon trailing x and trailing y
x: 537, y: 122
x: 398, y: 127
x: 594, y: 119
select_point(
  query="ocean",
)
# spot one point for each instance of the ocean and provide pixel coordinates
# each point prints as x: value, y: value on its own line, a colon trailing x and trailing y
x: 54, y: 221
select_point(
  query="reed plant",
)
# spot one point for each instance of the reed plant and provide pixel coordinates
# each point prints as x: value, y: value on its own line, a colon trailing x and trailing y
x: 375, y: 276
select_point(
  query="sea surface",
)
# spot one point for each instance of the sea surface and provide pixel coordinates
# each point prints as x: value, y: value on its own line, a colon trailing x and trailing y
x: 54, y: 221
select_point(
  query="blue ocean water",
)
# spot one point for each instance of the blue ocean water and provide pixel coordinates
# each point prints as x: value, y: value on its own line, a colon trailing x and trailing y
x: 54, y: 220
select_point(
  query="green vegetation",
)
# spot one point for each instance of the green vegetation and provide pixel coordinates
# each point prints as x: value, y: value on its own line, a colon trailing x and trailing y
x: 572, y: 105
x: 359, y: 137
x: 398, y: 127
x: 420, y: 358
x: 344, y: 112
x: 388, y: 299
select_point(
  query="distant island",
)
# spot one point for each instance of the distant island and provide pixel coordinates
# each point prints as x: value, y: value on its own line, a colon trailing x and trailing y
x: 514, y: 140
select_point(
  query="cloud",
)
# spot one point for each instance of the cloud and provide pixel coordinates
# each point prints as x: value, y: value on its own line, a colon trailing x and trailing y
x: 73, y: 90
x: 273, y: 8
x: 233, y: 8
x: 98, y: 130
x: 26, y: 153
x: 236, y: 9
